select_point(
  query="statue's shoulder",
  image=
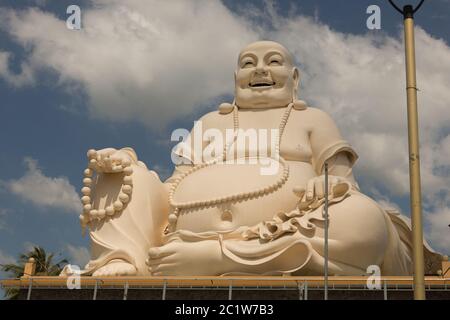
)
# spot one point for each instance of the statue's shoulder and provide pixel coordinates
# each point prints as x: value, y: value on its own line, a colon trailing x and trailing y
x: 215, y: 118
x: 211, y: 118
x: 315, y: 113
x: 224, y: 109
x: 314, y: 117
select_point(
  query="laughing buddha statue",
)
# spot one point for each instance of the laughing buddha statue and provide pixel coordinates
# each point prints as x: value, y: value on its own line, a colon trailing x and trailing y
x: 241, y: 209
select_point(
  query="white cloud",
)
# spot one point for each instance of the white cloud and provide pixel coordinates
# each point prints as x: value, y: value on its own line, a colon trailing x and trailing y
x: 29, y: 246
x: 439, y: 234
x: 79, y: 256
x: 156, y: 61
x: 148, y: 60
x: 45, y: 191
x: 386, y: 203
x: 25, y: 77
x: 6, y: 258
x: 163, y: 172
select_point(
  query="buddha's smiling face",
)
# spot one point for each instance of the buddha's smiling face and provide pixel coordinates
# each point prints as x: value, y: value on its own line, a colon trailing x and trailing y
x: 265, y: 77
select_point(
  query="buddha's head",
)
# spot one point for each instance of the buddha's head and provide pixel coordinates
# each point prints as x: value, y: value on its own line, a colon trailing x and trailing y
x: 265, y: 76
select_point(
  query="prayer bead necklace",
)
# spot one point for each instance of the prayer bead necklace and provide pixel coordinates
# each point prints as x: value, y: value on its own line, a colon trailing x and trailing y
x: 243, y: 196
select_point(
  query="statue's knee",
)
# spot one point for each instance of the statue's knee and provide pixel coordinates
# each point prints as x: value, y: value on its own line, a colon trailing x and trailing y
x: 147, y: 187
x: 359, y: 222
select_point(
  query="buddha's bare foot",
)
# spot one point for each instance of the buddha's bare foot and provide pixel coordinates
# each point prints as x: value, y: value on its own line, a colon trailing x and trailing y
x: 115, y: 268
x: 188, y: 258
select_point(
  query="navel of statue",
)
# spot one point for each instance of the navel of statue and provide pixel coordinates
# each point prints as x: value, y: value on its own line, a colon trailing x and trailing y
x: 222, y: 216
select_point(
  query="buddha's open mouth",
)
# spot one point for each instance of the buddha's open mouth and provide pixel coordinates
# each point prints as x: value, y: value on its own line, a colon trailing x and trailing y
x: 261, y: 84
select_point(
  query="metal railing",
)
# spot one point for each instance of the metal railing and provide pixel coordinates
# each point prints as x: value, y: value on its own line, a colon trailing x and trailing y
x: 304, y: 286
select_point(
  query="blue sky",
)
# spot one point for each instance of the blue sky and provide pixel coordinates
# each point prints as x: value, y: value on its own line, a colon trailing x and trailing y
x: 53, y: 110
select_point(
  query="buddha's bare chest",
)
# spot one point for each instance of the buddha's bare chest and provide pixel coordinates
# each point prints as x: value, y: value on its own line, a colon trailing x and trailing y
x: 219, y: 181
x: 259, y: 132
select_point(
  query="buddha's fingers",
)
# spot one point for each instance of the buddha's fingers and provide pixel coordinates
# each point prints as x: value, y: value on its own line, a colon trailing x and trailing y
x: 164, y: 269
x: 157, y: 253
x: 166, y: 258
x: 310, y: 189
x: 116, y: 168
x: 107, y: 162
x: 319, y: 188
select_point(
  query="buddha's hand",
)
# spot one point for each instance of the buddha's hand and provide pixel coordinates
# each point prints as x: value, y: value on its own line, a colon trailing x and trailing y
x: 111, y: 160
x: 187, y: 258
x: 315, y: 187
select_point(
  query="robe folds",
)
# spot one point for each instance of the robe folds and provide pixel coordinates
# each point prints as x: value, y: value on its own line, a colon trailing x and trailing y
x: 288, y: 241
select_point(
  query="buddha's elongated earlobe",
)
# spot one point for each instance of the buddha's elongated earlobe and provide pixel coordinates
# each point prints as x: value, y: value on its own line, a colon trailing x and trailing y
x: 296, y: 80
x: 226, y: 107
x: 296, y: 103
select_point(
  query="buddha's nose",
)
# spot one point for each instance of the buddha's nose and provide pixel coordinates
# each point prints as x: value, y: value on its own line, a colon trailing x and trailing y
x: 261, y: 71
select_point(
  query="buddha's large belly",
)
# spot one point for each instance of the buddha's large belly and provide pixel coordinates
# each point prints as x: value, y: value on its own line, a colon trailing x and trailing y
x: 224, y: 180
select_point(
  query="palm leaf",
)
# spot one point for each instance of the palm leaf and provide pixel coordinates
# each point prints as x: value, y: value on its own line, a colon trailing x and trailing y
x: 44, y: 267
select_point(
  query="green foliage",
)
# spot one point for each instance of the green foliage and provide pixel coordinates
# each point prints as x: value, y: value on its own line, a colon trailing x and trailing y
x: 45, y: 266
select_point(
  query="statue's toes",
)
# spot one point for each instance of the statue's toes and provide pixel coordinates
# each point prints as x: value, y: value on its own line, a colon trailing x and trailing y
x: 116, y: 269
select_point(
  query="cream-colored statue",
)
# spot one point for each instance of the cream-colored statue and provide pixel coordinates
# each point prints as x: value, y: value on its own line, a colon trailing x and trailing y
x: 230, y: 208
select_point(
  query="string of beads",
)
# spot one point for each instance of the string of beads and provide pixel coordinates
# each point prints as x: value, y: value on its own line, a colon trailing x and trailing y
x: 89, y: 212
x: 237, y: 197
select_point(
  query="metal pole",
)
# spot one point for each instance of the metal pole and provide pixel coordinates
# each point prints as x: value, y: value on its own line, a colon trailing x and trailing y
x: 300, y: 291
x: 30, y: 286
x: 306, y: 290
x: 164, y: 291
x: 413, y: 143
x: 125, y: 291
x: 414, y: 159
x: 95, y: 290
x: 325, y: 213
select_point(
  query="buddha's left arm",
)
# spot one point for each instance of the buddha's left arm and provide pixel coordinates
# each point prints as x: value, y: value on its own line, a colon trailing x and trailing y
x: 328, y: 145
x: 341, y: 166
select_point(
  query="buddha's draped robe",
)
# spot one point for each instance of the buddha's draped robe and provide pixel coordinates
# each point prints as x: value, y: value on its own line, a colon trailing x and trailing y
x: 361, y: 233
